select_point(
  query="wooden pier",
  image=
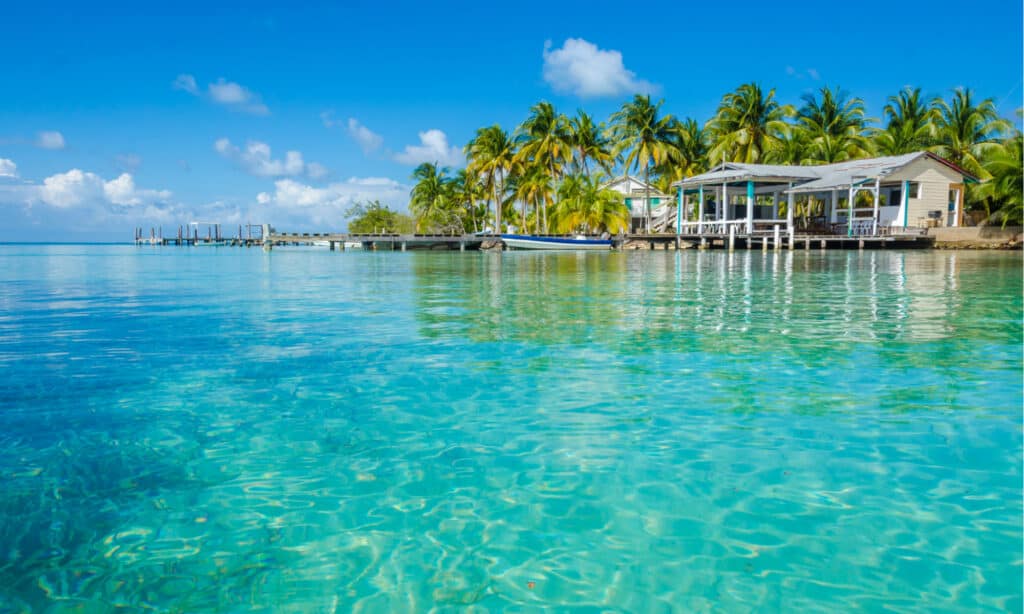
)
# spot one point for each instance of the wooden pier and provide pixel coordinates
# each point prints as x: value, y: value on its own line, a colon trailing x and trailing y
x: 727, y: 237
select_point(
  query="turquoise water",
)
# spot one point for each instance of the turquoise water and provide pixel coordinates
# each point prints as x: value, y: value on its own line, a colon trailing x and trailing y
x: 306, y: 431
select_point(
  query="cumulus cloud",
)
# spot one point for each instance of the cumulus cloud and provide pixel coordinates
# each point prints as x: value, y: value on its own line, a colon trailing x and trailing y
x: 223, y: 92
x: 50, y: 139
x: 433, y: 147
x: 77, y: 187
x: 256, y: 159
x: 369, y: 140
x: 579, y: 67
x: 8, y: 168
x: 297, y: 203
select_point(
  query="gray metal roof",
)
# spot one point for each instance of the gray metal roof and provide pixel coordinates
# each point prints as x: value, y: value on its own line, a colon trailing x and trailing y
x: 812, y: 178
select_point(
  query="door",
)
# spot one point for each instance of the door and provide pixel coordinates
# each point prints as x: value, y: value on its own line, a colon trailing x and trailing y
x: 955, y: 209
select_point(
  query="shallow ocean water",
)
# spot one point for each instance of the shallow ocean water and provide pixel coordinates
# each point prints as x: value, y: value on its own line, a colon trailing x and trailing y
x: 190, y: 429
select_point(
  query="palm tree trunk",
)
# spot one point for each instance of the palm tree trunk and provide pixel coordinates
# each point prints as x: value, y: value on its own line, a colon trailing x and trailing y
x: 647, y: 198
x: 497, y: 201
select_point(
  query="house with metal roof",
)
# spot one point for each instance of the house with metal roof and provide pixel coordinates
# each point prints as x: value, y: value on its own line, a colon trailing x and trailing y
x: 869, y: 197
x: 635, y: 194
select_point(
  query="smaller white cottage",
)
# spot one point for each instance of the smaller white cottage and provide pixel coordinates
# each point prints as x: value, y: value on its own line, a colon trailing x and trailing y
x: 634, y: 193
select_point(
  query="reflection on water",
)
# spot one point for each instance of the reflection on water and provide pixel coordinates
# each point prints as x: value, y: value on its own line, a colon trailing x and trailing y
x: 186, y: 429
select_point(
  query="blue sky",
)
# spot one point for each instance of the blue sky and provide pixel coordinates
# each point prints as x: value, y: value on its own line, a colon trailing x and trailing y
x: 122, y: 115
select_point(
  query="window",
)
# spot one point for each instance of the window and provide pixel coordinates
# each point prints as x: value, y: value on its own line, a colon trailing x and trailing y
x: 915, y: 190
x: 655, y: 201
x: 629, y: 202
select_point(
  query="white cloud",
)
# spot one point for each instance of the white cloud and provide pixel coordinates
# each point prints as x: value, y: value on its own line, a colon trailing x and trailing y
x: 227, y: 93
x: 257, y: 160
x: 186, y: 83
x: 297, y: 203
x: 369, y: 140
x: 580, y: 68
x: 50, y: 139
x: 433, y: 147
x: 315, y: 170
x: 813, y: 73
x: 237, y: 97
x: 8, y: 168
x: 71, y: 188
x: 76, y: 187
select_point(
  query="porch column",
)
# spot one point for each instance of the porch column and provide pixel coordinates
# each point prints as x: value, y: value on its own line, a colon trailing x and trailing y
x: 750, y: 208
x: 905, y: 202
x: 849, y: 213
x: 700, y: 209
x: 790, y: 205
x: 723, y: 207
x: 834, y: 204
x: 874, y: 214
x: 679, y: 212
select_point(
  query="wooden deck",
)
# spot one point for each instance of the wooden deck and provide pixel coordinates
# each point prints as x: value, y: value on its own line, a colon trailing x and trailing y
x: 706, y: 240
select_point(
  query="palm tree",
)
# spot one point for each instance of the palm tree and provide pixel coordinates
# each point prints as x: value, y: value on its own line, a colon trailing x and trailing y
x: 534, y: 188
x: 467, y: 190
x: 687, y: 155
x: 748, y: 126
x: 638, y: 129
x: 588, y: 142
x: 430, y: 195
x: 584, y: 205
x: 965, y: 132
x: 834, y: 127
x: 543, y: 140
x: 1005, y: 166
x: 910, y: 126
x: 794, y: 148
x: 490, y: 154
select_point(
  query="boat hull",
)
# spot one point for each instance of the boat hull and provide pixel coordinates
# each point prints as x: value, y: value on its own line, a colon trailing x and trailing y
x: 555, y: 243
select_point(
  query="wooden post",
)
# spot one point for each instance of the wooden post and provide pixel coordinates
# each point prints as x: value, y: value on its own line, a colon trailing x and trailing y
x: 732, y: 237
x: 775, y: 230
x: 823, y: 244
x: 807, y: 243
x: 860, y: 244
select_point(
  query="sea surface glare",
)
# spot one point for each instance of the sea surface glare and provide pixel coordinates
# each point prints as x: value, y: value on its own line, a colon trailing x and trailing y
x: 197, y: 429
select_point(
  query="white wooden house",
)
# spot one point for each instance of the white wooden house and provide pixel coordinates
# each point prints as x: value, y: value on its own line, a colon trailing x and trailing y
x: 872, y: 196
x: 634, y: 194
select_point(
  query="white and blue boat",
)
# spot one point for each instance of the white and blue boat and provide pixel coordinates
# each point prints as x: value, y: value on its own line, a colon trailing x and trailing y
x: 578, y: 242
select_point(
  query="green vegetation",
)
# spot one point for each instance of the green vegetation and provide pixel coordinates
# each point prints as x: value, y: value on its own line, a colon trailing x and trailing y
x: 373, y: 217
x: 548, y: 175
